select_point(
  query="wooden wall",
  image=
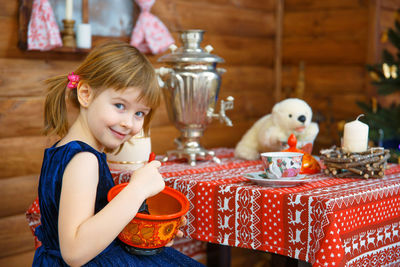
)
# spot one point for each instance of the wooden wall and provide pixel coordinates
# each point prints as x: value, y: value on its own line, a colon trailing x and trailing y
x: 334, y: 39
x: 387, y: 18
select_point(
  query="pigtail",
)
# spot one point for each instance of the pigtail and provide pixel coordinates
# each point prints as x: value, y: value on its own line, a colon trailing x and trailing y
x: 55, y: 108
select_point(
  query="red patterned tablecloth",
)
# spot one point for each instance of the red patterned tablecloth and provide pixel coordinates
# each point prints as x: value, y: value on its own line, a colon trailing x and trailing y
x: 327, y: 222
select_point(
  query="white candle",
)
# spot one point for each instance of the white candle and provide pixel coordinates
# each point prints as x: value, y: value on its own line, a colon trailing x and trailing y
x: 68, y: 9
x: 355, y: 136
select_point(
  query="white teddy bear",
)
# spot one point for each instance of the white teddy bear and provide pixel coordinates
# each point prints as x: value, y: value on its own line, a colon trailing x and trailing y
x: 289, y: 116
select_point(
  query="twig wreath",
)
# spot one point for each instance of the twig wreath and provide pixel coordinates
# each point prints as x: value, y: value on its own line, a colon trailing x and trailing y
x: 368, y: 164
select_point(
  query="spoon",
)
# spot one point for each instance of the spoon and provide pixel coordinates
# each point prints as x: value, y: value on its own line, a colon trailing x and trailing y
x: 144, y: 208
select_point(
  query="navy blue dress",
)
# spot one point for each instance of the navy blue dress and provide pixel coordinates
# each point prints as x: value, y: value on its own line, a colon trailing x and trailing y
x: 54, y: 163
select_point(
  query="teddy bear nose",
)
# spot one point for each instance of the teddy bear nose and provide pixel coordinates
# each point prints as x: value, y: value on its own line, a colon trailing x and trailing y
x: 301, y: 118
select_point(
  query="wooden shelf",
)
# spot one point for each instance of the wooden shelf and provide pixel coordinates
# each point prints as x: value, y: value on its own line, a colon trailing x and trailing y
x: 71, y: 50
x: 25, y: 10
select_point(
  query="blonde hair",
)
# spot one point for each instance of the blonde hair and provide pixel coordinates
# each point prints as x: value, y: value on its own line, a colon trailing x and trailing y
x: 113, y: 64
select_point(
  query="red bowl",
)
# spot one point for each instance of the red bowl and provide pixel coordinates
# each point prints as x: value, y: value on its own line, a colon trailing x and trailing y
x: 156, y: 229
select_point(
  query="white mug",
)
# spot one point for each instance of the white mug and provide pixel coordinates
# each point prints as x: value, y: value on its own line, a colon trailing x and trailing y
x: 134, y: 153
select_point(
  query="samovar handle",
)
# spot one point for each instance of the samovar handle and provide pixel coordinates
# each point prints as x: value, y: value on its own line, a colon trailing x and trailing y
x: 173, y: 48
x: 162, y: 71
x: 221, y: 71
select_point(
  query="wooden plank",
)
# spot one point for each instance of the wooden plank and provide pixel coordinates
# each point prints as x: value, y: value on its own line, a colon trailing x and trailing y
x: 330, y: 50
x: 374, y: 44
x: 9, y: 8
x: 162, y: 139
x: 15, y: 236
x: 22, y: 155
x: 387, y: 19
x: 31, y: 74
x: 8, y: 35
x: 17, y: 194
x: 278, y: 49
x: 24, y: 116
x: 215, y: 135
x: 235, y: 50
x: 268, y: 5
x: 326, y: 139
x: 326, y: 4
x: 166, y: 12
x: 327, y: 79
x: 219, y: 2
x: 21, y: 116
x: 218, y: 19
x: 24, y: 259
x: 247, y: 78
x: 247, y: 104
x: 161, y: 117
x: 390, y: 4
x: 338, y: 107
x: 324, y: 23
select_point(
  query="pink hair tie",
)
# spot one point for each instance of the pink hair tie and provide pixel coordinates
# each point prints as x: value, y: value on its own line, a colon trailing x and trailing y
x: 73, y: 80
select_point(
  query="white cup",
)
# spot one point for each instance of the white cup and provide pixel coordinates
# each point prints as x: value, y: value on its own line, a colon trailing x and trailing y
x: 134, y: 154
x: 281, y: 164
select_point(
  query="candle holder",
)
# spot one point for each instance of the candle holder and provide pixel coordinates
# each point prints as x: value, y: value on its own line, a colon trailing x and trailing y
x: 68, y: 34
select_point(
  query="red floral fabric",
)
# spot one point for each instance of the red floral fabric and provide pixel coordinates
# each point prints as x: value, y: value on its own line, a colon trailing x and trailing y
x: 43, y: 32
x: 150, y: 35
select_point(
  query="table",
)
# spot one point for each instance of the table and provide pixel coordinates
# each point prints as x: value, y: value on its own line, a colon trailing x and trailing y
x: 327, y: 222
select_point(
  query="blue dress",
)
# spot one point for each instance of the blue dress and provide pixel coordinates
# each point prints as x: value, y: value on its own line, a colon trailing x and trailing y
x: 54, y: 163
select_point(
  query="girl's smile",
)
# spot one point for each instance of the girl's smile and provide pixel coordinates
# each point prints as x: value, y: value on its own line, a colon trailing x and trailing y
x: 118, y: 134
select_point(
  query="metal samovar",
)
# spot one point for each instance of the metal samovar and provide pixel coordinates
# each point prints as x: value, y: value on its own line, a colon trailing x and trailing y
x: 190, y: 84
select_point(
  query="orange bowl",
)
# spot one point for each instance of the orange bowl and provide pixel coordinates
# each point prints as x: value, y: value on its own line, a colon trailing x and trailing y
x: 154, y: 230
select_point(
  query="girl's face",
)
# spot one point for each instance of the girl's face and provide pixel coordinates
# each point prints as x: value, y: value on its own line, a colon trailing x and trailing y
x: 114, y: 117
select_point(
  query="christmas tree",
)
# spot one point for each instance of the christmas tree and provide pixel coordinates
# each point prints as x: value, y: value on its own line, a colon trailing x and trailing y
x: 384, y: 122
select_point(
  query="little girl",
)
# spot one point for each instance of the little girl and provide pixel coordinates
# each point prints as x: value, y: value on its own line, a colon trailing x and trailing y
x: 116, y: 91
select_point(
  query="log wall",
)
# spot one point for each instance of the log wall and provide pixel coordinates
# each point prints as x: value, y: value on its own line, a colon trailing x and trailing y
x: 334, y: 39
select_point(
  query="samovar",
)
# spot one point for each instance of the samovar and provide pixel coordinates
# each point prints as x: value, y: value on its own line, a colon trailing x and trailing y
x: 191, y: 83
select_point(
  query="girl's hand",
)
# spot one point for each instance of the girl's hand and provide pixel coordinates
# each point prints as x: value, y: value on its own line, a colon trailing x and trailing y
x: 179, y: 233
x: 148, y: 179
